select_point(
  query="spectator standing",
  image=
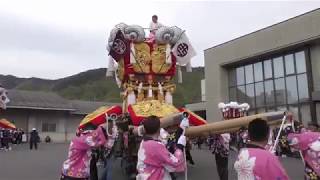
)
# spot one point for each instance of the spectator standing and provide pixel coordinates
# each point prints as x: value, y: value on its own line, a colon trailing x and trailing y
x: 34, y: 139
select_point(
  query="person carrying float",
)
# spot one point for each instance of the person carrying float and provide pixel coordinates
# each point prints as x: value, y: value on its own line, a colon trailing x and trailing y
x: 290, y: 126
x: 108, y: 150
x: 155, y: 162
x: 221, y: 141
x: 308, y: 143
x: 254, y: 161
x: 90, y: 135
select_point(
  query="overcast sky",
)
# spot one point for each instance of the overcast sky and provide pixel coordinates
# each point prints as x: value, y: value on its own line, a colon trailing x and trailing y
x: 54, y: 39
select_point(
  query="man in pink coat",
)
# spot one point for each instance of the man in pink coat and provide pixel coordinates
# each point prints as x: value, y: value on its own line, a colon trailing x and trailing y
x: 155, y: 162
x: 256, y: 163
x: 77, y: 165
x: 309, y: 144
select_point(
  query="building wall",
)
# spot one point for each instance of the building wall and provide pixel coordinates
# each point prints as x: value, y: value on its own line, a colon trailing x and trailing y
x: 28, y: 119
x: 38, y: 117
x: 274, y: 39
x: 72, y: 124
x: 18, y: 117
x: 315, y: 64
x: 203, y: 90
x: 216, y: 90
x: 288, y: 33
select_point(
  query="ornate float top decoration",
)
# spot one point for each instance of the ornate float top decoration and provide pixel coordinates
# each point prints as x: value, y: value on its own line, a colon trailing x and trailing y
x: 3, y: 98
x: 144, y: 67
x: 135, y: 57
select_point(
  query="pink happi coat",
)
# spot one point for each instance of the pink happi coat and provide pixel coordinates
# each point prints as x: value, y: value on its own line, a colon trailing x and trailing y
x: 155, y: 162
x: 78, y: 162
x: 259, y: 164
x: 309, y: 144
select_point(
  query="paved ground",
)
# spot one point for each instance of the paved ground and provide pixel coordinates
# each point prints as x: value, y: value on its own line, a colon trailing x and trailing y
x: 45, y: 164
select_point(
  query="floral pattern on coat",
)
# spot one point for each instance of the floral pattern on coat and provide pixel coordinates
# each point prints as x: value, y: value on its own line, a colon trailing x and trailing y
x: 259, y: 164
x: 309, y: 145
x: 155, y: 162
x: 244, y: 165
x: 78, y: 162
x: 221, y: 144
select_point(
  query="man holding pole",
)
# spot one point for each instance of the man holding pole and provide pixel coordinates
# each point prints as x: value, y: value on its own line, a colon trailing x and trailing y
x: 154, y: 160
x: 221, y: 141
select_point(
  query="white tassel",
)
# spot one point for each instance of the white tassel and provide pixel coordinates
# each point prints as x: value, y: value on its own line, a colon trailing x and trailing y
x: 189, y: 67
x: 160, y: 88
x: 111, y: 67
x: 140, y: 87
x: 179, y: 74
x: 131, y: 98
x: 168, y: 54
x: 150, y: 94
x: 168, y: 97
x: 132, y: 54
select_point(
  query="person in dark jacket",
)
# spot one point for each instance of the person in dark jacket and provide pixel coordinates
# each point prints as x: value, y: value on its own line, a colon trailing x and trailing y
x: 34, y: 138
x: 6, y: 139
x: 188, y: 153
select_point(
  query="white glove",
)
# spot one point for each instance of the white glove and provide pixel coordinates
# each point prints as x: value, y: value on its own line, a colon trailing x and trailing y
x: 182, y: 140
x: 163, y: 136
x: 184, y: 123
x: 272, y: 151
x: 140, y: 130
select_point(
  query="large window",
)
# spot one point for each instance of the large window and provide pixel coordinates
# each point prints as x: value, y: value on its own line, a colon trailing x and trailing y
x: 48, y: 127
x: 277, y: 83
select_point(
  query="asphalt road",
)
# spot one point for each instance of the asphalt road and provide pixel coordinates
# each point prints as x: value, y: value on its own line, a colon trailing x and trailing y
x: 45, y: 164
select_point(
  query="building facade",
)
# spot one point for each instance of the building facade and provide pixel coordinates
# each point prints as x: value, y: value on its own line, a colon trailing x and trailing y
x: 49, y: 113
x: 275, y: 68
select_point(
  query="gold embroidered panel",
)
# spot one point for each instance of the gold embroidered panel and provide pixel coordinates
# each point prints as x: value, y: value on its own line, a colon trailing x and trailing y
x: 154, y: 107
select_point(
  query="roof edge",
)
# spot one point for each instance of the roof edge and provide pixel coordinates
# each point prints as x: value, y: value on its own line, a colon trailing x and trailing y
x: 40, y: 108
x: 276, y: 49
x: 261, y: 29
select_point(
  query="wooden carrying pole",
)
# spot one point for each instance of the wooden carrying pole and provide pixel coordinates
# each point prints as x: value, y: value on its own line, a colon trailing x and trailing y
x: 273, y: 118
x: 171, y: 120
x: 231, y: 130
x: 225, y: 126
x: 168, y: 121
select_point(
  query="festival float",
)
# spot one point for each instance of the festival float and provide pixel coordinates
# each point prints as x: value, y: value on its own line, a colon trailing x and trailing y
x: 144, y: 68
